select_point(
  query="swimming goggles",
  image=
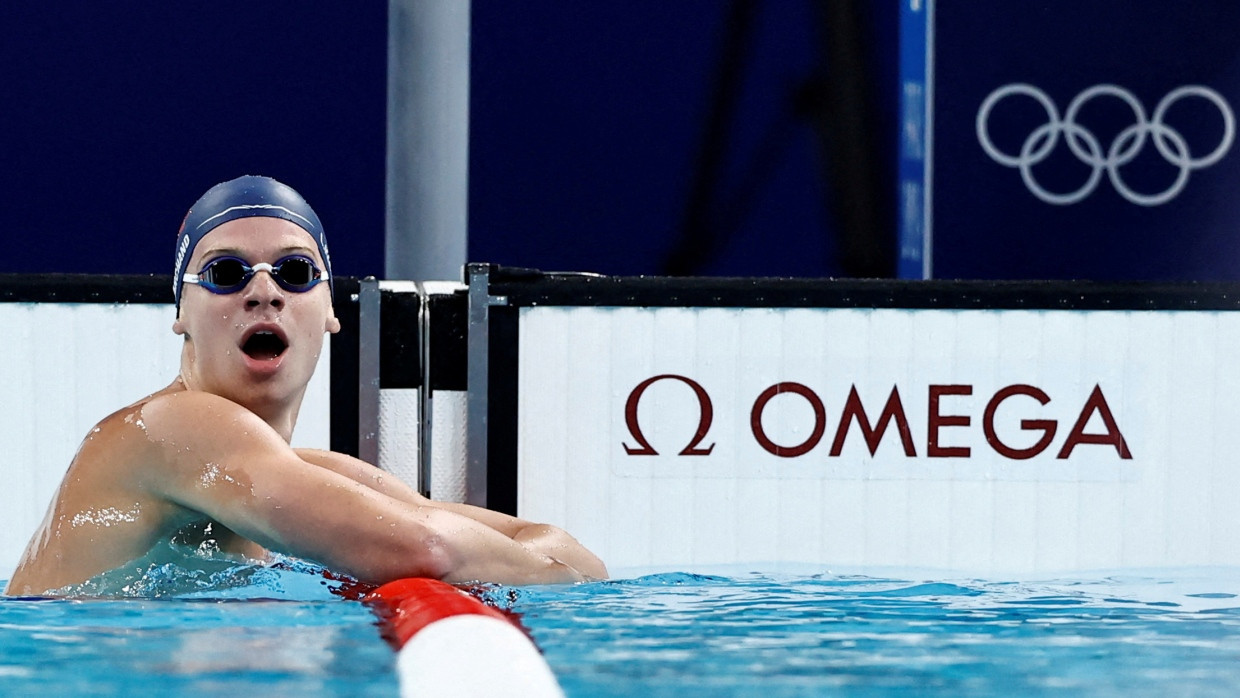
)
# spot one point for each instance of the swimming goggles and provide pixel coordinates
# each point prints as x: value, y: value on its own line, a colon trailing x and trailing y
x: 296, y: 273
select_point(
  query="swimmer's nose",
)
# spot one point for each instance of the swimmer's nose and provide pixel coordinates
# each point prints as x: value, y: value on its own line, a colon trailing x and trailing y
x: 263, y: 290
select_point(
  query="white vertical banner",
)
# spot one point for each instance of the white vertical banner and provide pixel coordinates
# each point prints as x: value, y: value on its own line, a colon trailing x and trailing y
x: 1018, y: 441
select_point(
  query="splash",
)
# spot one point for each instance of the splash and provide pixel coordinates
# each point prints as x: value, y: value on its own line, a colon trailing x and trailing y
x: 172, y: 570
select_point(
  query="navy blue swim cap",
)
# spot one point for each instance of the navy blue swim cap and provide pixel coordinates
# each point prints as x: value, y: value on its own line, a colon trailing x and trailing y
x: 241, y: 198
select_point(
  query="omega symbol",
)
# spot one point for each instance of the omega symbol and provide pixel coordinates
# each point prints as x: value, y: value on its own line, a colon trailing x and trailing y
x: 706, y: 415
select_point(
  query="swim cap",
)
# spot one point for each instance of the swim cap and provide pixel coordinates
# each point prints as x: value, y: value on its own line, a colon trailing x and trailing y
x: 241, y: 198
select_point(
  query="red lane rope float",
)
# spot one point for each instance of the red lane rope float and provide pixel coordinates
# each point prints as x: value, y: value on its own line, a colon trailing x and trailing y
x: 409, y: 605
x: 450, y: 643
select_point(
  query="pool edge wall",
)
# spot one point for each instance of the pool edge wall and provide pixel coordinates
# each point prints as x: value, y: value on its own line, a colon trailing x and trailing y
x: 766, y: 430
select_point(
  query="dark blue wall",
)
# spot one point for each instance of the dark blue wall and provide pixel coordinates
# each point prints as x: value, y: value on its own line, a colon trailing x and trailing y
x: 115, y: 119
x: 1117, y: 65
x: 587, y: 120
x: 585, y: 126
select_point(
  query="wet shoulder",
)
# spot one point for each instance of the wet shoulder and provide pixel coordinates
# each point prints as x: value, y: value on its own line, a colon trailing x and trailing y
x: 192, y: 425
x: 120, y: 437
x: 148, y: 423
x: 192, y: 411
x: 112, y: 465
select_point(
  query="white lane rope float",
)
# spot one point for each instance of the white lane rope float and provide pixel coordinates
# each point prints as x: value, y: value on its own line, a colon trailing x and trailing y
x: 451, y: 644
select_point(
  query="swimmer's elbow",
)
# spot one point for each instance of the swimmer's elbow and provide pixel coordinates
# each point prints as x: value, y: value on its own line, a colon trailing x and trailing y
x: 422, y: 554
x: 433, y: 558
x: 415, y: 551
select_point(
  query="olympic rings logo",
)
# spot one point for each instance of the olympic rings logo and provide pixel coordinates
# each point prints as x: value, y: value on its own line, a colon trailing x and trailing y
x: 1170, y: 143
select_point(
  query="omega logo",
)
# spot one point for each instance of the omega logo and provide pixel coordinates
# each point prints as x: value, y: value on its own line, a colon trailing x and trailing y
x: 893, y: 412
x: 706, y: 415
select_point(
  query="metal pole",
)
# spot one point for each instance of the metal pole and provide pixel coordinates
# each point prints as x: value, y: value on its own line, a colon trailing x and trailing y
x: 427, y: 139
x: 478, y: 378
x: 369, y: 304
x: 427, y: 405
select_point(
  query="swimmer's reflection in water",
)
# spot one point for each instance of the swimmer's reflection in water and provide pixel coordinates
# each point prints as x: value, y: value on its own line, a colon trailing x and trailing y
x: 208, y: 459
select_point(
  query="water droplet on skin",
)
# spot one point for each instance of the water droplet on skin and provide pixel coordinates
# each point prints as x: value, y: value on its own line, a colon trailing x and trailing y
x: 211, y: 474
x: 106, y: 517
x: 134, y: 418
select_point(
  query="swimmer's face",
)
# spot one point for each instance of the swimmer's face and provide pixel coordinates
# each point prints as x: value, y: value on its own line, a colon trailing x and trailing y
x: 260, y: 345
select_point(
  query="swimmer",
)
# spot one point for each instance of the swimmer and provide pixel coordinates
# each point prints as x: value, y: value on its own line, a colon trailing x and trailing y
x: 207, y: 460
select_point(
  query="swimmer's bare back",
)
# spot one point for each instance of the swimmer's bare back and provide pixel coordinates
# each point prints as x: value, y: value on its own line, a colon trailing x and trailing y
x: 180, y: 461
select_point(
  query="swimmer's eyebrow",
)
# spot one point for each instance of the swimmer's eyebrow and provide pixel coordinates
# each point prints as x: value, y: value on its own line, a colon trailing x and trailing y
x: 235, y: 252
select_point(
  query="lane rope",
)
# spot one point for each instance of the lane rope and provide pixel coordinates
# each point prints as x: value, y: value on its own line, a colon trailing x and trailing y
x: 449, y: 643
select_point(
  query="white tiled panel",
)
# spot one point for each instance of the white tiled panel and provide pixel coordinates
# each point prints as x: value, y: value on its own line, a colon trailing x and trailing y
x: 1165, y: 377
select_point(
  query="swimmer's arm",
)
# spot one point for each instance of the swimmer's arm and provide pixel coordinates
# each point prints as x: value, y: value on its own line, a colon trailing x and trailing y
x: 364, y: 473
x: 313, y: 513
x: 228, y: 465
x: 541, y: 538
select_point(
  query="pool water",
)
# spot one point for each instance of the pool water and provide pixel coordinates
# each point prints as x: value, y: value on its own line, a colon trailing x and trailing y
x: 852, y: 635
x: 733, y: 634
x: 192, y: 647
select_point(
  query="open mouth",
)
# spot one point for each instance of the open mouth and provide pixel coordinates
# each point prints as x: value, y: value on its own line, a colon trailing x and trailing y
x: 264, y: 345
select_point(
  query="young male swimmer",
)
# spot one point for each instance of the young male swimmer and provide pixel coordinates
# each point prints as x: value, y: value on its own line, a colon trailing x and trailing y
x: 207, y: 459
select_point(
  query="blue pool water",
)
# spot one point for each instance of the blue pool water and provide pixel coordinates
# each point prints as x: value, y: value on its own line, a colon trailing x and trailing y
x: 739, y: 633
x: 849, y: 635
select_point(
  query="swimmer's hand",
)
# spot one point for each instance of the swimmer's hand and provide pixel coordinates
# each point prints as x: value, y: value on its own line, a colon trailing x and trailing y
x: 558, y: 545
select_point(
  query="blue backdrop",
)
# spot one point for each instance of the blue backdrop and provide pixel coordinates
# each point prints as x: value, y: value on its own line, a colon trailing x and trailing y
x: 586, y: 123
x: 1086, y: 140
x: 585, y: 129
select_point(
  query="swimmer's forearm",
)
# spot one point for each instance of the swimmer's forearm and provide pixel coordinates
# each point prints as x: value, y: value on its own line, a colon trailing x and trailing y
x: 362, y: 473
x: 539, y: 539
x: 380, y: 540
x: 366, y: 474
